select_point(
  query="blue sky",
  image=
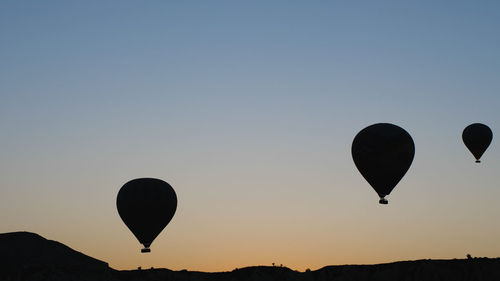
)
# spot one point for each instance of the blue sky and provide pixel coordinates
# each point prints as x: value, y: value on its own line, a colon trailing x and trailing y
x: 241, y: 104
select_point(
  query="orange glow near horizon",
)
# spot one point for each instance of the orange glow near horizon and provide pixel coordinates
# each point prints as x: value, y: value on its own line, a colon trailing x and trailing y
x: 299, y: 237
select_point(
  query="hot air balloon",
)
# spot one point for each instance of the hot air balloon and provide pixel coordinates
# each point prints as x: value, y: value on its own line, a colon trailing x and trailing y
x: 383, y: 153
x: 146, y: 206
x: 477, y: 137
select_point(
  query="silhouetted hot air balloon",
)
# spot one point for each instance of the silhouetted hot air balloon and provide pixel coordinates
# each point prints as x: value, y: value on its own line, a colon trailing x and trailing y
x: 383, y: 154
x: 146, y: 206
x: 477, y: 137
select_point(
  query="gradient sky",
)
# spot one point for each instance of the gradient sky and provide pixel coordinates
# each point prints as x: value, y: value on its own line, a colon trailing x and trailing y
x: 248, y: 109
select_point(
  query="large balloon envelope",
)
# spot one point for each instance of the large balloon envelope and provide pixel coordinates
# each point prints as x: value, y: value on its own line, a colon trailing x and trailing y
x: 146, y: 206
x: 477, y: 137
x: 383, y: 153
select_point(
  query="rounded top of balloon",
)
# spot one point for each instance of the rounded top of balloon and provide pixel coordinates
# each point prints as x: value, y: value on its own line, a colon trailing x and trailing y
x: 383, y: 154
x: 146, y: 206
x: 477, y: 137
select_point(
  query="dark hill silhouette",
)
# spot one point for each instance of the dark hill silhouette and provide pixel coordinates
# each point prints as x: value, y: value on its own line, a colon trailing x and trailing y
x: 30, y: 249
x: 28, y: 256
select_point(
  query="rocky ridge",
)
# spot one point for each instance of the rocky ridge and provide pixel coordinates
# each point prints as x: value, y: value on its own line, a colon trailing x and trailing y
x: 28, y: 256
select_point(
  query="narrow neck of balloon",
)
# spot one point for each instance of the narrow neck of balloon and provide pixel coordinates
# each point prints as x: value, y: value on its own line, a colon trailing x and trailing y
x: 146, y: 248
x: 382, y: 199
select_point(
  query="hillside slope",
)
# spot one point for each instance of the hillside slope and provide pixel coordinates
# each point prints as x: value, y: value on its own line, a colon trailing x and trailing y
x: 28, y: 256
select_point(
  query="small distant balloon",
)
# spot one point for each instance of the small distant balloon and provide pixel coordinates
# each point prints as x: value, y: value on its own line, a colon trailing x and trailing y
x: 477, y: 137
x: 146, y: 206
x: 383, y: 154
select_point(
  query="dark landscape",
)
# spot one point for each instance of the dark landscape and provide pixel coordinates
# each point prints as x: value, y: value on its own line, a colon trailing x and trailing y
x: 28, y: 256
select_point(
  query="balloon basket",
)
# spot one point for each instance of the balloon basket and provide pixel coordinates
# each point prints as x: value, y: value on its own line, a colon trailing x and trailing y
x: 146, y: 250
x: 383, y: 201
x: 478, y: 161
